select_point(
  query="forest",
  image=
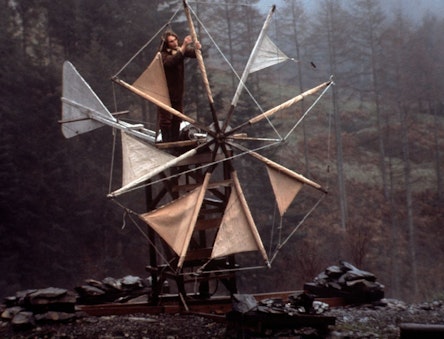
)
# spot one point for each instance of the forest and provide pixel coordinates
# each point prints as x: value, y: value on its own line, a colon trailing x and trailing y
x: 376, y: 138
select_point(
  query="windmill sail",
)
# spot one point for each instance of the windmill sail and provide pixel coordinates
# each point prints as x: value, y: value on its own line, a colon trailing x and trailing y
x: 285, y: 188
x: 252, y: 58
x: 267, y: 55
x: 173, y: 221
x: 176, y: 221
x: 153, y: 81
x: 237, y: 232
x: 78, y: 102
x: 139, y: 158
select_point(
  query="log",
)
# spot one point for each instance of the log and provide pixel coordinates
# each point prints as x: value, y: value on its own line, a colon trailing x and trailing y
x: 423, y: 331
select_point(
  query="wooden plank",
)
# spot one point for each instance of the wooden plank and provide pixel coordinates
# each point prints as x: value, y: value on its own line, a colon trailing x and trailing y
x: 212, y: 185
x: 206, y: 224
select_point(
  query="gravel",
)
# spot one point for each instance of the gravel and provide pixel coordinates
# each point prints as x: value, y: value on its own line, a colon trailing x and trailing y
x: 379, y: 320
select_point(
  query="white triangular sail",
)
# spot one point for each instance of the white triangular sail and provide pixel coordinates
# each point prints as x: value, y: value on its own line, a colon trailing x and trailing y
x: 78, y: 102
x: 237, y: 232
x: 139, y: 158
x: 267, y: 55
x: 154, y: 171
x: 252, y: 57
x: 153, y: 81
x: 285, y: 188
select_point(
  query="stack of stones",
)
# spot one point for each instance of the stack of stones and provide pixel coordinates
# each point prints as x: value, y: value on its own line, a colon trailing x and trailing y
x: 27, y: 308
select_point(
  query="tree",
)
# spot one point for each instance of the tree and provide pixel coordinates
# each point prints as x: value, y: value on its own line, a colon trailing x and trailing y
x: 332, y: 30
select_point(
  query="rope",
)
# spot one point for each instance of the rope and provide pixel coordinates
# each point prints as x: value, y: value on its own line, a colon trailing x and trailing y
x: 278, y: 248
x: 147, y: 43
x: 308, y: 110
x: 130, y: 213
x: 329, y: 148
x: 272, y: 230
x: 113, y: 152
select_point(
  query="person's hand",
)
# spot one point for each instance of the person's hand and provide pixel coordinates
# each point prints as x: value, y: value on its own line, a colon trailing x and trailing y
x: 188, y: 40
x: 197, y: 45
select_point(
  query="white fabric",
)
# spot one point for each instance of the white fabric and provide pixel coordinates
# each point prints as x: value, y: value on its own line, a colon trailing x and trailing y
x: 139, y: 158
x: 267, y: 55
x: 77, y: 100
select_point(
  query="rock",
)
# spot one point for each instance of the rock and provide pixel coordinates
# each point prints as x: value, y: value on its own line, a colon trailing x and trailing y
x: 87, y: 290
x: 10, y: 312
x: 244, y: 302
x: 46, y: 293
x: 112, y: 283
x: 132, y: 282
x: 23, y: 320
x: 53, y: 316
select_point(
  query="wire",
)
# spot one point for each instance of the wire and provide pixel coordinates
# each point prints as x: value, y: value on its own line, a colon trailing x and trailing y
x: 147, y: 43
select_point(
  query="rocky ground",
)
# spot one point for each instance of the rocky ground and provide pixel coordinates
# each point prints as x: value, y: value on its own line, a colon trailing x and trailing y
x: 380, y: 320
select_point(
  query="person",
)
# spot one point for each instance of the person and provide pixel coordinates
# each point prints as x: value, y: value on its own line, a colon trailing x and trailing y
x: 173, y: 55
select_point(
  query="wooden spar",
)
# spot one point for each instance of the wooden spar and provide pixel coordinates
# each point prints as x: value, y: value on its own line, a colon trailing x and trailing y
x: 252, y: 57
x: 198, y: 53
x: 92, y: 114
x: 279, y: 168
x: 88, y: 118
x: 154, y: 172
x: 251, y: 223
x: 282, y: 106
x: 246, y: 72
x: 194, y: 217
x: 201, y: 66
x: 162, y: 105
x: 288, y: 103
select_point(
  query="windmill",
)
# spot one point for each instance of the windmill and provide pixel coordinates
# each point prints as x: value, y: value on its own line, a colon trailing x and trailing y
x: 198, y: 217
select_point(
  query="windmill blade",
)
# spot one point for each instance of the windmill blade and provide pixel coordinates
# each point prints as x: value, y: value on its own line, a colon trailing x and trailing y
x: 280, y: 107
x: 252, y: 57
x: 248, y: 67
x: 238, y: 231
x: 198, y: 53
x: 158, y: 169
x: 280, y: 168
x: 83, y: 111
x: 159, y: 103
x: 201, y: 66
x: 78, y: 103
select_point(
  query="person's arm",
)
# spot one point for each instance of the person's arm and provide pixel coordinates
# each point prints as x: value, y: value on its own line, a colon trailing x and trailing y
x: 188, y: 50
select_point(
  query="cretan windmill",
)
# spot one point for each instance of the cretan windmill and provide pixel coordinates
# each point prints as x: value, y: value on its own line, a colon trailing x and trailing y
x: 198, y: 217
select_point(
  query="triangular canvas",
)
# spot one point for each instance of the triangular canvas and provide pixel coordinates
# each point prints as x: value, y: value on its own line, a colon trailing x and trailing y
x: 285, y: 188
x: 268, y: 55
x: 139, y: 158
x: 237, y: 232
x: 78, y: 99
x: 172, y: 221
x: 153, y: 81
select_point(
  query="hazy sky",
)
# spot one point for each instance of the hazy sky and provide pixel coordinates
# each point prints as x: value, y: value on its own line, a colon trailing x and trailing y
x: 409, y: 7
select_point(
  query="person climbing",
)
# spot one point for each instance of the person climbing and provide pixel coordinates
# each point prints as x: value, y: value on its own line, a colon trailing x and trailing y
x: 173, y: 55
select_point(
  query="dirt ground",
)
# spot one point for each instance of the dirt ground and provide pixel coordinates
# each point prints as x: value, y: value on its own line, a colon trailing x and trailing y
x: 381, y: 320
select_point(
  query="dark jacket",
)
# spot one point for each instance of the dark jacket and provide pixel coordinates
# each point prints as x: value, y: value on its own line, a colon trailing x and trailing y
x: 173, y: 62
